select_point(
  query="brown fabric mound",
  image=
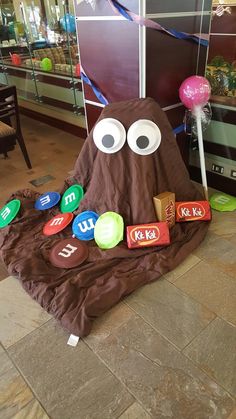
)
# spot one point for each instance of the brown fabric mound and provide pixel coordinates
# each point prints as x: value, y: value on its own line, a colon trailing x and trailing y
x: 124, y: 182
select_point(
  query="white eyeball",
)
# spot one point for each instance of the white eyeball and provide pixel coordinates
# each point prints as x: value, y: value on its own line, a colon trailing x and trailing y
x: 109, y: 135
x: 144, y: 137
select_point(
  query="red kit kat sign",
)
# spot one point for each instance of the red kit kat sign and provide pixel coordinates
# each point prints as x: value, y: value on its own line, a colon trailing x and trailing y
x: 193, y: 211
x: 145, y: 235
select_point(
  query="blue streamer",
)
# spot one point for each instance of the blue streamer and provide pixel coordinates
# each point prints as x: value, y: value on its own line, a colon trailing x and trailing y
x: 122, y: 10
x: 182, y: 35
x: 94, y: 88
x: 104, y: 101
x: 179, y: 129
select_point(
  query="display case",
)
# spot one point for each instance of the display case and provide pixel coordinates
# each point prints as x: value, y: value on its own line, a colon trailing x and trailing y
x: 39, y: 55
x: 220, y: 136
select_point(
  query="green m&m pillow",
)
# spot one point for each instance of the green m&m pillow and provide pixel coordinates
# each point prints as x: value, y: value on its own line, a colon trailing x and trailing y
x: 9, y: 212
x: 223, y: 202
x: 109, y: 230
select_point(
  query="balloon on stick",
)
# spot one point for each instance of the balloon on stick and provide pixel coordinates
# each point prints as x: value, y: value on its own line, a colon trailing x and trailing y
x: 194, y: 93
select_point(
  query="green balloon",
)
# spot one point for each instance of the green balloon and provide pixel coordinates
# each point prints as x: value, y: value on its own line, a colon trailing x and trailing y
x: 223, y: 202
x: 46, y: 64
x: 109, y: 230
x: 71, y: 198
x: 9, y: 212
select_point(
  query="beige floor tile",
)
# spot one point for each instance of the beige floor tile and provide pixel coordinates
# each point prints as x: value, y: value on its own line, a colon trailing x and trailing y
x: 3, y: 271
x: 115, y: 317
x: 14, y: 393
x: 226, y: 262
x: 188, y: 263
x: 218, y: 251
x: 171, y: 312
x: 214, y: 350
x: 213, y: 247
x: 19, y: 314
x: 135, y: 412
x: 33, y: 410
x: 69, y: 382
x: 213, y: 288
x: 223, y: 224
x: 232, y: 415
x: 163, y: 381
x: 233, y: 239
x: 5, y: 362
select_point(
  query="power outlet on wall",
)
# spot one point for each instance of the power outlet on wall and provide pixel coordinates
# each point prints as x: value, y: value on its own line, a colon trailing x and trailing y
x: 217, y: 169
x: 233, y: 173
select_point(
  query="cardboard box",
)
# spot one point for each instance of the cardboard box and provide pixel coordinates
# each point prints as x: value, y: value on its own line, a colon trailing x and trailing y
x: 145, y: 235
x: 193, y: 211
x: 164, y: 204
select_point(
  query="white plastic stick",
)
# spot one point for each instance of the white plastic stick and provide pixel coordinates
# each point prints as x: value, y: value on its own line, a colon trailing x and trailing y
x: 197, y: 113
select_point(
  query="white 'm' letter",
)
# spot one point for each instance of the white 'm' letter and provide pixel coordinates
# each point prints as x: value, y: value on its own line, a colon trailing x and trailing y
x: 67, y: 253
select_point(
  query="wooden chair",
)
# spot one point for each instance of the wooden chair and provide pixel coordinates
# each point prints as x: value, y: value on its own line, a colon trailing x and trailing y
x: 9, y: 134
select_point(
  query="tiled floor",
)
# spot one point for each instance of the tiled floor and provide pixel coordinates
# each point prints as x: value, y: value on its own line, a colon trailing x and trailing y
x: 52, y: 152
x: 167, y: 351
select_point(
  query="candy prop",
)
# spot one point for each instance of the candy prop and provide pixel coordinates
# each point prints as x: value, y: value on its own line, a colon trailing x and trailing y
x: 194, y: 93
x: 145, y: 235
x: 221, y: 10
x: 71, y: 198
x: 164, y: 205
x: 57, y: 223
x: 223, y: 202
x: 46, y: 64
x: 47, y: 200
x: 68, y: 253
x: 109, y: 230
x: 9, y: 212
x: 84, y: 224
x: 193, y: 211
x: 125, y: 182
x: 190, y: 125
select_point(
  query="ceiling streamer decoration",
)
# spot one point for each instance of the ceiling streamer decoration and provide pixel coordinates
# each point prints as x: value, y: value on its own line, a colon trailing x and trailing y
x: 91, y: 2
x: 102, y: 99
x: 221, y: 10
x: 127, y: 14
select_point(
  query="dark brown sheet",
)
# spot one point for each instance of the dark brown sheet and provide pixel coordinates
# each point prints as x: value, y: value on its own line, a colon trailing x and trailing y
x: 124, y: 182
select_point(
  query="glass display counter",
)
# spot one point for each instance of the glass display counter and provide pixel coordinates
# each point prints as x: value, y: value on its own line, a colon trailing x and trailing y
x: 220, y: 136
x: 39, y: 55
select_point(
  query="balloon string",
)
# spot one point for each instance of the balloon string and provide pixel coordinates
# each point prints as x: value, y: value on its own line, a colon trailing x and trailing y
x: 133, y: 17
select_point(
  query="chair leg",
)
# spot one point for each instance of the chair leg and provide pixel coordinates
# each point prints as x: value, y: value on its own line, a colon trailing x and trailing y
x: 24, y: 150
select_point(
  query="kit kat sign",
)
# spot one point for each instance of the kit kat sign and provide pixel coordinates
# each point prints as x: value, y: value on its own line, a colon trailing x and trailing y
x: 192, y: 211
x: 143, y: 235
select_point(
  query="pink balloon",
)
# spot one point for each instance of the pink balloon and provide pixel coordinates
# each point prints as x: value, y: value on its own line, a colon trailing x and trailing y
x: 195, y: 91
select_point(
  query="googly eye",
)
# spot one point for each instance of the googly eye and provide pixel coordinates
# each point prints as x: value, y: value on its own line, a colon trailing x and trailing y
x: 144, y: 137
x: 109, y: 135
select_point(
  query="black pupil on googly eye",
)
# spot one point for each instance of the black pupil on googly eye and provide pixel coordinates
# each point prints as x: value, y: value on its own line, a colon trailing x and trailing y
x: 108, y: 141
x: 142, y: 142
